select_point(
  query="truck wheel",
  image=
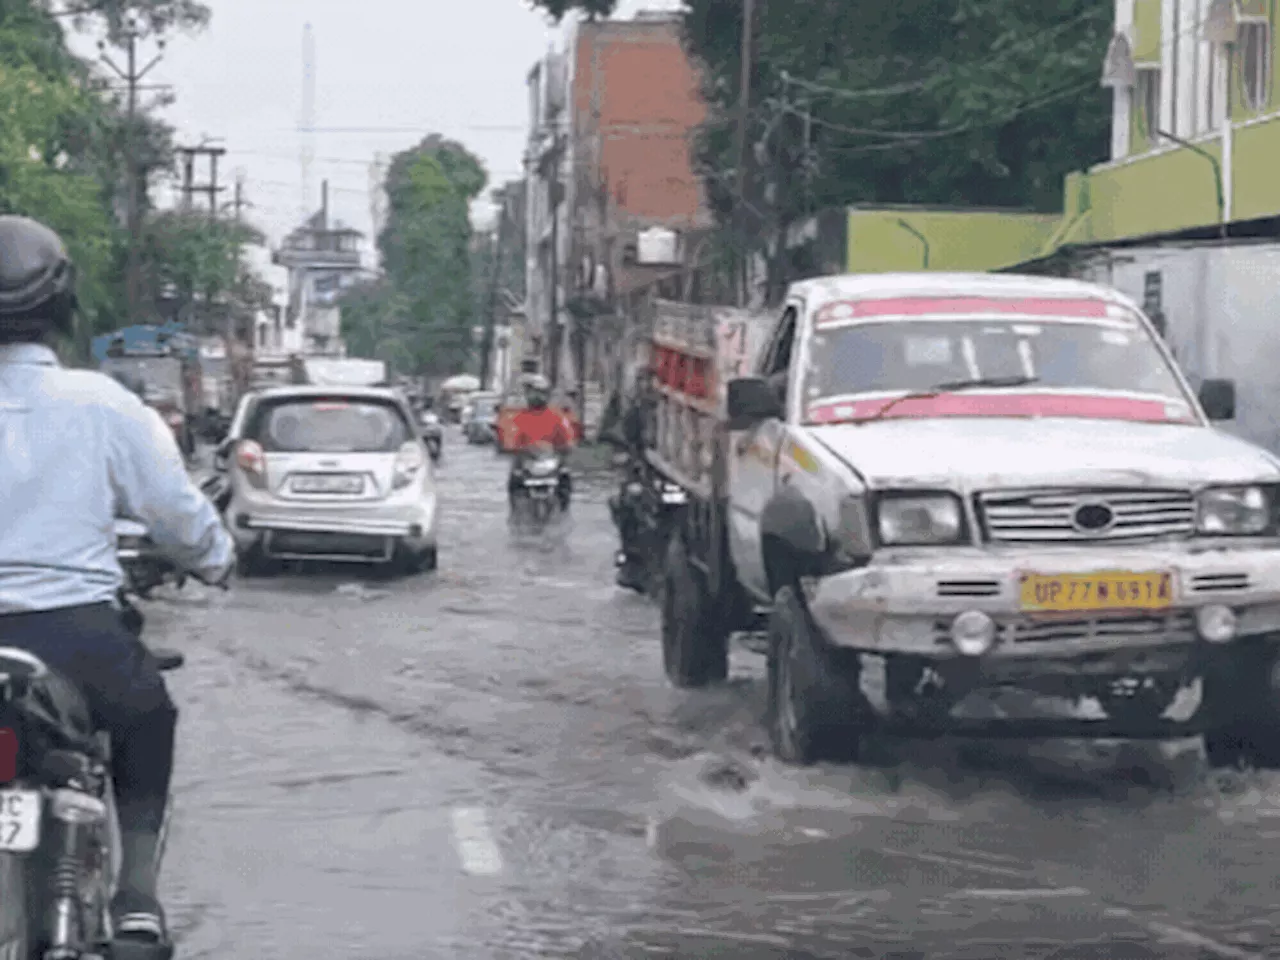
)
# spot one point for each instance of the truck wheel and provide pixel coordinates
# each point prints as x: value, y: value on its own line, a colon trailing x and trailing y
x: 1249, y: 734
x: 813, y: 701
x: 695, y: 641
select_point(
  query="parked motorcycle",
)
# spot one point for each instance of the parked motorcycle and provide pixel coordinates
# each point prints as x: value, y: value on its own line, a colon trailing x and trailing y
x: 145, y: 568
x: 540, y: 476
x: 58, y: 830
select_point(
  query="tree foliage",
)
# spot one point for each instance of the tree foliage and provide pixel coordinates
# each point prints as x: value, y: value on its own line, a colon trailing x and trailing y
x: 64, y: 140
x: 420, y: 314
x: 152, y: 16
x: 192, y: 257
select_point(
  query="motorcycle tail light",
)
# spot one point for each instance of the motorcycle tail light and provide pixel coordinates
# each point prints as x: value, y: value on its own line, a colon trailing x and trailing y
x: 9, y: 749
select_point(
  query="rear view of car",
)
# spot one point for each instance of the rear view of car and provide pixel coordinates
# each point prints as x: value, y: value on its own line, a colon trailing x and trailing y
x: 332, y: 474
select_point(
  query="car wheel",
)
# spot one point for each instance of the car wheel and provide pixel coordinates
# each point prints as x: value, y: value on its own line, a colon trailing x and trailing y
x: 813, y: 703
x: 1246, y: 731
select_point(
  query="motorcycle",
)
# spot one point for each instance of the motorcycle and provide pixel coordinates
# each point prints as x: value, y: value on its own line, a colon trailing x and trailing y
x: 58, y: 829
x: 145, y: 568
x: 648, y: 510
x: 539, y: 475
x: 432, y: 433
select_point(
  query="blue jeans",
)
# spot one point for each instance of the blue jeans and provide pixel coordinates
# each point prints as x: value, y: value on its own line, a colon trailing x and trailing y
x: 127, y: 698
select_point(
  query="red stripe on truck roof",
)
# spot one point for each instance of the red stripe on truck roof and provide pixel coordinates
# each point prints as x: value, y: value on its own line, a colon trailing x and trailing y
x: 1079, y: 307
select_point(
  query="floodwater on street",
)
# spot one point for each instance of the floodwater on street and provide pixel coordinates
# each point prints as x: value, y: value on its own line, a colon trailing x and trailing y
x: 486, y: 762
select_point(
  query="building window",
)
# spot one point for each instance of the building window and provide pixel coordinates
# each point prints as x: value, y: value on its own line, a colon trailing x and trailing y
x: 1146, y: 100
x: 1255, y: 57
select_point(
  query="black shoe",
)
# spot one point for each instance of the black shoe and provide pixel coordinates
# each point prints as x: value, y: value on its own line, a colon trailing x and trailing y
x: 138, y: 928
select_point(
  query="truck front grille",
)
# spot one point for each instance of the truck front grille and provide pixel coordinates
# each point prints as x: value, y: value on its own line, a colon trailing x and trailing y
x: 1170, y: 628
x: 1053, y: 516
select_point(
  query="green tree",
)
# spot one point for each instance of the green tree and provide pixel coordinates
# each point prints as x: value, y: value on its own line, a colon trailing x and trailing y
x: 194, y: 263
x: 62, y: 140
x: 421, y: 313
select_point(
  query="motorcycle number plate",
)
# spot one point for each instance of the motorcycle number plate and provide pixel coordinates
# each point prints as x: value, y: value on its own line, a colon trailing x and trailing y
x: 20, y: 812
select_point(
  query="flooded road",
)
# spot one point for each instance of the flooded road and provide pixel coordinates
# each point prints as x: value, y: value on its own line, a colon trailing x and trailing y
x: 486, y: 762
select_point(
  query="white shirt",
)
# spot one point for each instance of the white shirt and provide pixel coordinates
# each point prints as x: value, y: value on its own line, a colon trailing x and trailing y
x: 78, y: 450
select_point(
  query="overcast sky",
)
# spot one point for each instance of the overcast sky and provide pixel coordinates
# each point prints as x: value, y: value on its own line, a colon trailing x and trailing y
x: 393, y: 70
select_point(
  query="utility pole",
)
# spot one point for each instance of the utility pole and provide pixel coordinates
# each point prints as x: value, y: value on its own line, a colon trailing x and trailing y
x: 744, y: 111
x: 486, y: 343
x: 555, y: 189
x: 189, y: 187
x: 132, y: 76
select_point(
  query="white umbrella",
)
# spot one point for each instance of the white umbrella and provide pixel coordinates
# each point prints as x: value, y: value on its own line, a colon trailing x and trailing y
x: 462, y: 383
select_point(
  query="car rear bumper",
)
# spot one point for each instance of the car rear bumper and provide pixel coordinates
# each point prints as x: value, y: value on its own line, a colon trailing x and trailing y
x: 341, y: 532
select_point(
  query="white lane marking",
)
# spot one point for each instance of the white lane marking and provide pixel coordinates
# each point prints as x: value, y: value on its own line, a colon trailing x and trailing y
x: 1039, y: 893
x: 473, y: 839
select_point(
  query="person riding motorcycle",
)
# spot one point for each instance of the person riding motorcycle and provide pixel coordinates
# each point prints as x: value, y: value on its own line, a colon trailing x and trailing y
x: 626, y: 429
x: 80, y: 450
x: 538, y: 425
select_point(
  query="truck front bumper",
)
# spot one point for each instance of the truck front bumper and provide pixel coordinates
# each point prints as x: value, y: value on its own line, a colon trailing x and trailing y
x: 908, y: 602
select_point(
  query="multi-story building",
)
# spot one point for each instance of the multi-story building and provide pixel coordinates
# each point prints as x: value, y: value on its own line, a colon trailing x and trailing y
x: 612, y: 123
x: 322, y: 260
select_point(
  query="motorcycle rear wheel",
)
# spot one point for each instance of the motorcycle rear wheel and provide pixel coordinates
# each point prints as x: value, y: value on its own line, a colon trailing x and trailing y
x: 15, y: 908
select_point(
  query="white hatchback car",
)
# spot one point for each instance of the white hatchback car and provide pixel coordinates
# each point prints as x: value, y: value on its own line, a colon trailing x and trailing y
x: 329, y: 473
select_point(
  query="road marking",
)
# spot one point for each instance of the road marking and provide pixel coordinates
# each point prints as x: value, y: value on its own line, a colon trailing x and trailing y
x: 1039, y: 893
x: 473, y: 839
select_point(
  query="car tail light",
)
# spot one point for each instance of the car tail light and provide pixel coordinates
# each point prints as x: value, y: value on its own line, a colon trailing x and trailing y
x: 8, y: 755
x: 174, y: 419
x: 251, y: 460
x: 409, y: 461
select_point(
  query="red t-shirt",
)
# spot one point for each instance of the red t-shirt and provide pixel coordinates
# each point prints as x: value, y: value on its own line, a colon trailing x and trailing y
x: 533, y: 427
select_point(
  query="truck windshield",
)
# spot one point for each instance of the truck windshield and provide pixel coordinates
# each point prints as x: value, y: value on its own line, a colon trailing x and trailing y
x: 917, y: 355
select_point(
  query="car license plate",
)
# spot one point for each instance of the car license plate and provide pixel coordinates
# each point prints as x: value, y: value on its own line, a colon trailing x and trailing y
x: 343, y: 483
x: 1091, y: 592
x: 20, y: 812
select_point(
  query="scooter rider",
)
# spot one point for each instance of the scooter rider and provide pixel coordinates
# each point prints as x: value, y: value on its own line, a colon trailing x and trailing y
x: 628, y: 432
x: 538, y: 425
x: 80, y: 450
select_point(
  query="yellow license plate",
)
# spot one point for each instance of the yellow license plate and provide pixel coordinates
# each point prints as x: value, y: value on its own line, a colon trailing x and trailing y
x: 1092, y: 592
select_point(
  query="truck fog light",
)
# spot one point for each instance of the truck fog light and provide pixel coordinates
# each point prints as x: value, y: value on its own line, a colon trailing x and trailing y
x: 1216, y: 623
x: 973, y: 633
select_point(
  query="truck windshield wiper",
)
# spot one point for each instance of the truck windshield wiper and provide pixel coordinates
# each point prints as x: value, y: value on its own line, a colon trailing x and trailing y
x: 953, y: 386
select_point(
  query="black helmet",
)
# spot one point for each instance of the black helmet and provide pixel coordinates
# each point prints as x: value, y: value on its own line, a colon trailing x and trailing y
x: 37, y: 281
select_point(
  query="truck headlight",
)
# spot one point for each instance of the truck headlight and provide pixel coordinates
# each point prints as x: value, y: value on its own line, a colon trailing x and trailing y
x: 919, y: 519
x: 1233, y: 511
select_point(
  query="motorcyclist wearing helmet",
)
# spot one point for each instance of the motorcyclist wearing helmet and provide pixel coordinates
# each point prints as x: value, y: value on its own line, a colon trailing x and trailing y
x: 538, y: 425
x: 82, y: 450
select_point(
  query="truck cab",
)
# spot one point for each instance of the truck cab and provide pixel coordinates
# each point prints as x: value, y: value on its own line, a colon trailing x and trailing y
x: 958, y: 484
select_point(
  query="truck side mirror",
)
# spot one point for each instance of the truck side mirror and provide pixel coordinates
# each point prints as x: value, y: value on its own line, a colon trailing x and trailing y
x: 1218, y: 397
x: 751, y: 400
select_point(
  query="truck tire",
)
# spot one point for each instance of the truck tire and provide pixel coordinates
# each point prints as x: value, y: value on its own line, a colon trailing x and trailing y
x: 815, y: 710
x: 1249, y: 732
x: 695, y: 638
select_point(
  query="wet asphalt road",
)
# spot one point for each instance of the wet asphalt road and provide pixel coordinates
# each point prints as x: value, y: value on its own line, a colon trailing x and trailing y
x: 486, y: 763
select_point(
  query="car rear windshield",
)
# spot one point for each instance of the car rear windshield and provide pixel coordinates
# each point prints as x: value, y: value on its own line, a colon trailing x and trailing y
x: 331, y: 425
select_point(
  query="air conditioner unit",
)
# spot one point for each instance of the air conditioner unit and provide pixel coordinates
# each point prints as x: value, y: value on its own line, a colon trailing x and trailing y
x: 659, y: 246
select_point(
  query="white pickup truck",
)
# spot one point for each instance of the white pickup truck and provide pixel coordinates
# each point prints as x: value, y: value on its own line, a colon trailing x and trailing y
x: 940, y: 486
